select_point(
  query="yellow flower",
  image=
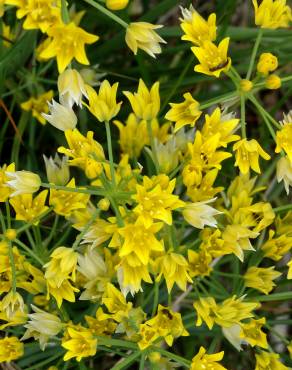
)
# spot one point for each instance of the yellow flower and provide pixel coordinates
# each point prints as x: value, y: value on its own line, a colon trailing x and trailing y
x: 213, y: 59
x: 200, y: 214
x: 57, y: 170
x: 261, y: 278
x: 140, y: 241
x: 155, y: 200
x: 283, y: 138
x: 205, y: 156
x: 199, y: 262
x: 71, y: 87
x: 40, y: 14
x: 229, y: 312
x: 23, y: 182
x: 2, y: 2
x: 96, y: 271
x: 11, y: 303
x: 116, y: 4
x: 205, y: 190
x: 133, y: 136
x: 221, y: 123
x: 67, y: 42
x: 204, y: 361
x: 131, y: 271
x: 116, y: 303
x: 148, y: 336
x: 65, y: 202
x: 247, y: 154
x: 102, y: 324
x: 28, y: 208
x: 196, y: 28
x: 10, y: 349
x: 272, y: 14
x: 168, y: 324
x: 79, y: 342
x: 42, y: 326
x: 85, y: 151
x: 273, y: 82
x: 236, y: 239
x: 276, y: 248
x: 62, y: 265
x: 145, y: 103
x: 205, y: 308
x: 289, y: 275
x: 141, y: 35
x: 64, y: 291
x: 5, y: 191
x: 185, y: 113
x: 168, y: 154
x: 38, y: 105
x: 252, y: 333
x: 103, y: 105
x: 174, y: 268
x: 267, y: 63
x: 284, y: 172
x: 269, y: 361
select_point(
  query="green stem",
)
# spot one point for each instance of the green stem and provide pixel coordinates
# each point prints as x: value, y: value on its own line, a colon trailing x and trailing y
x: 29, y: 251
x: 107, y: 12
x: 52, y: 232
x: 220, y: 99
x: 283, y: 80
x: 263, y: 111
x: 110, y: 152
x: 2, y: 221
x: 173, y: 357
x: 151, y: 138
x: 116, y: 343
x: 288, y: 207
x: 8, y: 217
x: 274, y: 297
x: 242, y: 116
x: 155, y: 299
x: 74, y: 190
x: 64, y: 12
x: 177, y: 83
x: 127, y: 361
x: 254, y: 53
x: 142, y: 361
x: 12, y: 265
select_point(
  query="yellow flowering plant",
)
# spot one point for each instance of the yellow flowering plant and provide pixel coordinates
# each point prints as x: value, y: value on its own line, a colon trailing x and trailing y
x: 145, y: 174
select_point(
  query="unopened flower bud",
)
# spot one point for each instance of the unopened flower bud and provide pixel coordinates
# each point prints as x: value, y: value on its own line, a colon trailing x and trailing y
x: 57, y: 170
x: 273, y: 82
x: 61, y: 116
x: 116, y: 4
x: 10, y: 234
x: 71, y: 87
x: 267, y: 63
x: 246, y: 85
x: 103, y: 204
x: 23, y: 182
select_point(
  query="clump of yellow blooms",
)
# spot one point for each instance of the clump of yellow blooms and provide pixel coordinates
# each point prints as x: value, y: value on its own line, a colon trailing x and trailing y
x: 149, y: 242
